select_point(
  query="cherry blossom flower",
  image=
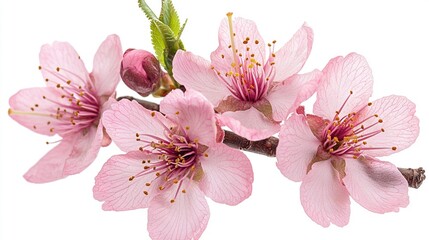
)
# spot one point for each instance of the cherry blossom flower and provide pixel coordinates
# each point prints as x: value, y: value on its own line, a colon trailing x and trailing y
x: 70, y: 105
x: 334, y: 153
x: 172, y: 161
x: 252, y: 94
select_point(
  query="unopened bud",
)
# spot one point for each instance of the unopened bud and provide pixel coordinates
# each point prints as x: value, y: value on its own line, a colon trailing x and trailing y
x: 140, y: 71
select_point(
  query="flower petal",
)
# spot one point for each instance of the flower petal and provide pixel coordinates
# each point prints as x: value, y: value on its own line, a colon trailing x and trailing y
x: 400, y: 126
x: 50, y: 167
x: 85, y: 149
x: 324, y: 198
x: 228, y: 175
x: 60, y: 62
x: 106, y: 106
x: 73, y: 154
x: 288, y: 95
x: 340, y: 76
x: 250, y: 124
x: 185, y: 219
x: 243, y: 29
x: 195, y: 73
x: 292, y: 56
x: 297, y: 147
x: 128, y: 118
x: 193, y: 112
x: 30, y: 109
x: 376, y: 185
x: 107, y: 62
x: 114, y: 187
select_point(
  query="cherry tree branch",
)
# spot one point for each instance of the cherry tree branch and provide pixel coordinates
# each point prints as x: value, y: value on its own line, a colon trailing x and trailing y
x: 268, y: 147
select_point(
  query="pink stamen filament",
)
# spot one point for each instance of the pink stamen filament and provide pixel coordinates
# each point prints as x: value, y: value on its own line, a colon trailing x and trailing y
x: 177, y: 157
x: 344, y: 137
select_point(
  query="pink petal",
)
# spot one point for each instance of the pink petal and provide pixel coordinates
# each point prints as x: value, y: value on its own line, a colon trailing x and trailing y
x: 59, y: 63
x: 324, y: 198
x: 114, y: 187
x: 292, y: 56
x: 340, y: 76
x: 195, y: 73
x: 85, y: 150
x: 288, y: 95
x: 50, y: 167
x: 193, y: 112
x: 185, y: 219
x: 228, y: 175
x: 401, y: 127
x: 128, y: 118
x: 250, y: 124
x: 73, y: 154
x: 297, y: 147
x: 376, y: 185
x: 106, y: 106
x: 243, y: 29
x: 106, y: 66
x: 38, y: 119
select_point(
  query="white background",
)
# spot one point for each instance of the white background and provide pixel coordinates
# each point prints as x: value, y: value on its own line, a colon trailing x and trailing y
x: 394, y: 37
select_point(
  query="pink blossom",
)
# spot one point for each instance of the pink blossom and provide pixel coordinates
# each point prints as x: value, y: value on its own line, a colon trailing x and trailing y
x: 70, y: 105
x: 172, y: 161
x: 334, y: 153
x: 252, y: 94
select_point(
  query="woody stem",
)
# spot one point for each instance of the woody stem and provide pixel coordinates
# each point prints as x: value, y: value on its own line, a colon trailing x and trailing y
x: 268, y: 146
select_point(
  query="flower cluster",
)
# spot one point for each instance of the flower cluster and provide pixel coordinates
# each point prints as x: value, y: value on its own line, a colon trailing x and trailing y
x: 175, y: 156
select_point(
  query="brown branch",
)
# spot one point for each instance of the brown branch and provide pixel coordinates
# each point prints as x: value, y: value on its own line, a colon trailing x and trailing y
x: 415, y: 177
x: 265, y: 147
x: 268, y: 146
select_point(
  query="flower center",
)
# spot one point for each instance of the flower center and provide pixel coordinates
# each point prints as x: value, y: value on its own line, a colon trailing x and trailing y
x: 177, y: 159
x: 68, y: 107
x: 247, y: 79
x: 348, y: 135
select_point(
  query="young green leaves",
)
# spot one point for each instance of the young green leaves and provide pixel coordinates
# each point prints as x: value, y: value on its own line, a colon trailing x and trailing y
x: 165, y: 32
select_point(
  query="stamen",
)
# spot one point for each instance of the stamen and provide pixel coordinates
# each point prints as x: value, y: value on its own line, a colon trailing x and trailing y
x: 231, y: 34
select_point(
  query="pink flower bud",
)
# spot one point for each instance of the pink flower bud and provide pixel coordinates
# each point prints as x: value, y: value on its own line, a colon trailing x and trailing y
x: 140, y: 71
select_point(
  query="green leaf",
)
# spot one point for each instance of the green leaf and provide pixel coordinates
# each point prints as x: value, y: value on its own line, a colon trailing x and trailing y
x: 181, y: 46
x: 169, y: 16
x: 158, y: 43
x: 170, y: 42
x: 165, y: 32
x: 147, y: 11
